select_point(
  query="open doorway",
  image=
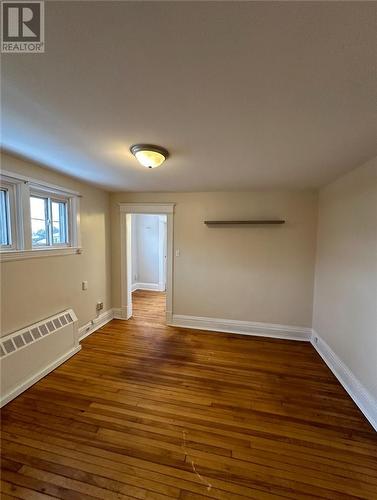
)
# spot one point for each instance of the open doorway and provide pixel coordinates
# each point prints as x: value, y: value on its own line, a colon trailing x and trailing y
x: 148, y: 267
x: 136, y: 285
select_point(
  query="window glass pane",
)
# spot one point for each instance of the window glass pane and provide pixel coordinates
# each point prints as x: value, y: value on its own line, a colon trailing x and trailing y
x: 4, y: 222
x: 38, y: 208
x: 59, y: 222
x: 39, y: 232
x: 55, y: 211
x: 56, y: 234
x: 39, y: 228
x: 49, y: 221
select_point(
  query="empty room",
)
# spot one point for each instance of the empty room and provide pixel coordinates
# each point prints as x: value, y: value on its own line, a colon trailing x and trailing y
x: 188, y: 223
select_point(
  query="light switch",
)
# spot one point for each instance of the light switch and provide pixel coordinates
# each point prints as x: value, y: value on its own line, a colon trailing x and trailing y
x: 177, y: 252
x: 84, y: 285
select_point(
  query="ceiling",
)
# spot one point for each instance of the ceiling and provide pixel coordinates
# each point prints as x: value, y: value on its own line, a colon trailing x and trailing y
x: 244, y: 95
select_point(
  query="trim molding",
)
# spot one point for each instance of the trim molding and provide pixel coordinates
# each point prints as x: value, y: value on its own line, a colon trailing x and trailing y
x: 6, y: 256
x: 25, y: 385
x: 147, y: 286
x: 361, y: 396
x: 95, y: 324
x: 147, y: 208
x: 117, y: 311
x: 31, y: 180
x: 271, y: 330
x: 169, y: 318
x: 122, y: 313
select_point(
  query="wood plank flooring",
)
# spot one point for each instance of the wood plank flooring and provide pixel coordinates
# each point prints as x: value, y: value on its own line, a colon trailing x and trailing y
x: 153, y: 412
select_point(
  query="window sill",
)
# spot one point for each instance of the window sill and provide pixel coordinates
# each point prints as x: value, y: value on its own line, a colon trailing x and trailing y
x: 38, y: 253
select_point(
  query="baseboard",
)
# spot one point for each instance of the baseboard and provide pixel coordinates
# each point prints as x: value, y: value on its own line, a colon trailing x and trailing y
x: 28, y: 383
x: 147, y: 286
x: 242, y: 327
x: 122, y: 312
x: 95, y: 324
x: 169, y: 318
x: 361, y: 396
x: 117, y: 311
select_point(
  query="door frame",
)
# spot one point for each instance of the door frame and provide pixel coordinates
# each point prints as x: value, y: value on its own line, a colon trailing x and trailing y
x: 126, y: 210
x: 162, y: 252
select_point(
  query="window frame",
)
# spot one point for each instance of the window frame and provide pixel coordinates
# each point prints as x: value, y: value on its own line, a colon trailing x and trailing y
x: 67, y: 241
x: 8, y: 223
x: 20, y: 189
x: 12, y: 188
x: 51, y: 197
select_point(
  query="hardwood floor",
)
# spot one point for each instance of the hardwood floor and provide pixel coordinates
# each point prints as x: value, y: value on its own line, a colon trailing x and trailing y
x: 153, y: 412
x: 149, y: 307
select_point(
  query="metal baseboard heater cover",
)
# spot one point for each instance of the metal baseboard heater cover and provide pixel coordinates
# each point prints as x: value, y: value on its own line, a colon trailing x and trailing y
x: 29, y: 354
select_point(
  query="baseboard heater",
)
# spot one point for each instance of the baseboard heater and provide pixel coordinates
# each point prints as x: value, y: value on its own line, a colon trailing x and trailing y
x: 31, y: 353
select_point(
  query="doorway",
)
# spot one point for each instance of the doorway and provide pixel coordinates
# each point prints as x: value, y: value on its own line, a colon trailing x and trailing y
x: 146, y: 259
x: 148, y: 252
x: 148, y: 266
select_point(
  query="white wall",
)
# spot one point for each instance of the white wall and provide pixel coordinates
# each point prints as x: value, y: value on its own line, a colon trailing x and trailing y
x: 146, y: 249
x: 345, y: 301
x: 33, y: 289
x: 262, y: 274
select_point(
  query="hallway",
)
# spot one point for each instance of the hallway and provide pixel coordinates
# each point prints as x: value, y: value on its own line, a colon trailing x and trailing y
x: 149, y: 307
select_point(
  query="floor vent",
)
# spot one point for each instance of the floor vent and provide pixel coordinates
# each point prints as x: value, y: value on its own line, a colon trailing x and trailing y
x: 30, y: 353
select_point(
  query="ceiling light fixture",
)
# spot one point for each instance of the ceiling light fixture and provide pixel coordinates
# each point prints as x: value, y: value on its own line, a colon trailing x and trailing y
x: 148, y: 155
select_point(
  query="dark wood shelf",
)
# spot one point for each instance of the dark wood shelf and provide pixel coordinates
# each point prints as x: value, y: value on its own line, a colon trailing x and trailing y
x: 243, y: 222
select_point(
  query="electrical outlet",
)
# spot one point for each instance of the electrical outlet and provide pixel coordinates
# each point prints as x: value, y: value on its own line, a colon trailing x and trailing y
x: 99, y: 306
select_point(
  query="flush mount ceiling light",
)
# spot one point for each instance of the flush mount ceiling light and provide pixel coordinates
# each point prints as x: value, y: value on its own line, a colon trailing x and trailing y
x: 148, y: 155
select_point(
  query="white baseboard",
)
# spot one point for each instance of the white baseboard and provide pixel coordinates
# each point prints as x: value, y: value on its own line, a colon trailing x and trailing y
x: 122, y: 312
x: 117, y: 311
x: 361, y: 396
x: 147, y: 286
x: 28, y: 383
x: 96, y: 323
x: 242, y: 327
x: 169, y: 318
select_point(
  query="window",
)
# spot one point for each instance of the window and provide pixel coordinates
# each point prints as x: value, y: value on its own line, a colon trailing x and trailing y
x: 9, y: 199
x: 59, y: 222
x: 5, y: 230
x: 48, y: 221
x: 37, y: 219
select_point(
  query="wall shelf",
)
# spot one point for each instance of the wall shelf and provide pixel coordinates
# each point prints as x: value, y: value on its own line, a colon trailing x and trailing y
x: 243, y: 222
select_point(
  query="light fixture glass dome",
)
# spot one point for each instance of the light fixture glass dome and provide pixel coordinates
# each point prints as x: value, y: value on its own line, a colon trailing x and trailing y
x: 148, y: 155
